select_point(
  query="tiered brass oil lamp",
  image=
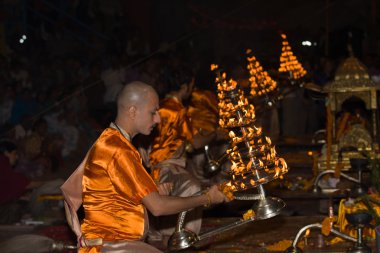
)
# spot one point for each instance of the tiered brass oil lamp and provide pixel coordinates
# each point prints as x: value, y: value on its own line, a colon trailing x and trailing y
x: 254, y: 163
x: 253, y: 157
x: 264, y: 91
x: 289, y: 63
x: 260, y: 81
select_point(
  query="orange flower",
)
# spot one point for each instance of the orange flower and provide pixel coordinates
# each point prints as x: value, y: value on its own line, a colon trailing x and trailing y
x: 248, y: 214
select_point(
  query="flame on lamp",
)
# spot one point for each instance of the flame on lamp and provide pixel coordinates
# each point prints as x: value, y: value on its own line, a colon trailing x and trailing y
x: 268, y: 140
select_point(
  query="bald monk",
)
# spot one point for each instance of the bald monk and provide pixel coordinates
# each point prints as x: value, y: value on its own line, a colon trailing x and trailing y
x: 116, y: 189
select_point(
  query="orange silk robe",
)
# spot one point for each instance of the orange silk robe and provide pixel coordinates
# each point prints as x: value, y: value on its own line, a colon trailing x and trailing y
x: 203, y: 110
x: 174, y: 131
x: 114, y: 184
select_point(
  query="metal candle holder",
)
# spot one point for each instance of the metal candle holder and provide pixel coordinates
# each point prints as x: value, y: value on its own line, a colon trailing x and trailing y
x: 359, y: 221
x: 253, y: 172
x: 357, y: 164
x: 183, y: 238
x: 213, y: 165
x: 295, y: 249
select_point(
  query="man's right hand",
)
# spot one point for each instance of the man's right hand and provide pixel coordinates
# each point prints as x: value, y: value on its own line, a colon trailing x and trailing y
x: 216, y: 196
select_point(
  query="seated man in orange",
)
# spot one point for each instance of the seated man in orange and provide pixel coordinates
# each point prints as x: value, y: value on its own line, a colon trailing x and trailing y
x: 203, y: 112
x: 116, y: 189
x: 175, y: 136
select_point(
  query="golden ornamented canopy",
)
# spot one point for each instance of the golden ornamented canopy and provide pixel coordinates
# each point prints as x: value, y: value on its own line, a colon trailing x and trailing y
x: 351, y: 80
x: 351, y: 75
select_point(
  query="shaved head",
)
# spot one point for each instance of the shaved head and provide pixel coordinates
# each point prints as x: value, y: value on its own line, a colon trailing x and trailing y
x: 137, y: 108
x: 134, y: 94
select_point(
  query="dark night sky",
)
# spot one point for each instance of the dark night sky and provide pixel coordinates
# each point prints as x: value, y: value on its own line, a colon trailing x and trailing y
x: 223, y: 26
x: 257, y: 23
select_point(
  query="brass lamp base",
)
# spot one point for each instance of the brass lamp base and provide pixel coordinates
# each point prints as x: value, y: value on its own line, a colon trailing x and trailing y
x: 359, y: 249
x: 182, y: 239
x: 268, y: 207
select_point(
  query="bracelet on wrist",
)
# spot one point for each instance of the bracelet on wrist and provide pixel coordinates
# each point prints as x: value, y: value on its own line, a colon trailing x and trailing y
x: 208, y: 204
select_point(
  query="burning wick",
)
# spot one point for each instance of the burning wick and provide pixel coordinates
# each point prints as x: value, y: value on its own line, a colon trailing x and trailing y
x: 307, y: 233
